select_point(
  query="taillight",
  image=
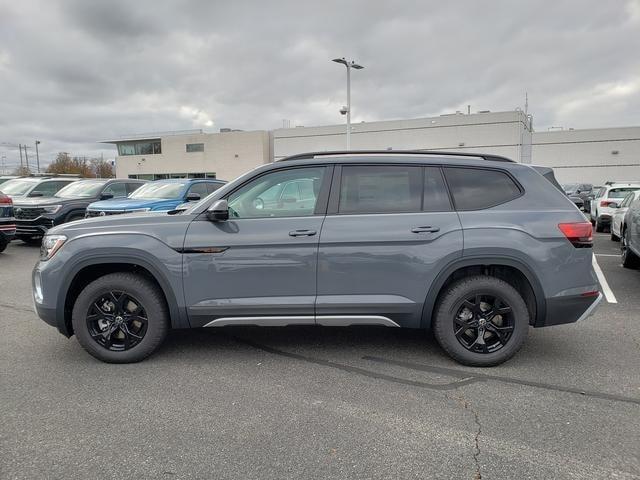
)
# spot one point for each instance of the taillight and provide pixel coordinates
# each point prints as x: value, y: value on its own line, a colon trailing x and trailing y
x: 5, y: 199
x: 580, y: 234
x: 606, y: 203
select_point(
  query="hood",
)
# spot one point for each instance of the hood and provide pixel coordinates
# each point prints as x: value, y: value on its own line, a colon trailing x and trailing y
x: 37, y: 201
x: 169, y: 229
x: 134, y: 203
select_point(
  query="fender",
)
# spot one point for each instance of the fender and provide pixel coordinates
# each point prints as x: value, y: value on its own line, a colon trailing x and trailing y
x: 436, y: 286
x: 177, y: 313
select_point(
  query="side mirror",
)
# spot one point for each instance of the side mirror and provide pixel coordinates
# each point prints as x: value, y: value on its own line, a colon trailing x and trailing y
x: 193, y: 197
x: 106, y: 196
x: 578, y: 191
x: 219, y: 211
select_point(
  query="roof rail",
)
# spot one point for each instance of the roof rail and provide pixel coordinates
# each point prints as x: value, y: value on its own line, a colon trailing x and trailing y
x: 310, y: 155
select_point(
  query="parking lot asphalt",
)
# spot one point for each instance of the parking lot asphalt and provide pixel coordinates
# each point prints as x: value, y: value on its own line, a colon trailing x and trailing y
x: 313, y: 402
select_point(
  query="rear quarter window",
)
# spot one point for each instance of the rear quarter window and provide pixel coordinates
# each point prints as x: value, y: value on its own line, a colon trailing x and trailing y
x: 478, y: 188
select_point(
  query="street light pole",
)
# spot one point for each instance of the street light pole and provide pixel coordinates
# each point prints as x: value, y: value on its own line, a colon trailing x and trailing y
x: 349, y: 64
x: 38, y: 155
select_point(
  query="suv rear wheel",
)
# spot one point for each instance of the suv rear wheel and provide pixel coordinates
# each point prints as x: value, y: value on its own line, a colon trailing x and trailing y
x: 481, y: 321
x: 120, y: 318
x: 629, y: 259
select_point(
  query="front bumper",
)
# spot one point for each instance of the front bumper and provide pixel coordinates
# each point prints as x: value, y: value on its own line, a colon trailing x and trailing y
x: 37, y: 227
x: 570, y: 309
x: 7, y: 231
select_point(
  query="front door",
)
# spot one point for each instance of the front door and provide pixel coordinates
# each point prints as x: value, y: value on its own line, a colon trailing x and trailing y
x: 259, y: 267
x: 388, y: 232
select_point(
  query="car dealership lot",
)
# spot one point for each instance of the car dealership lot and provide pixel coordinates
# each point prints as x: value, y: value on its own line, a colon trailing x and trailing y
x: 321, y: 402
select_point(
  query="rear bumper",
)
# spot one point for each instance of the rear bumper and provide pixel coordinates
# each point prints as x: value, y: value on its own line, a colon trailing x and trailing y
x: 570, y: 309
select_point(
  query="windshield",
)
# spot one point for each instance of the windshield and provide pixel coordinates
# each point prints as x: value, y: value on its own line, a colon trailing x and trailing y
x: 159, y: 190
x: 18, y: 186
x: 81, y: 189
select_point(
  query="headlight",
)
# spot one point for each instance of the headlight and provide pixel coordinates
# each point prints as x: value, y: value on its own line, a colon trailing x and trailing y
x: 138, y: 210
x: 50, y: 245
x: 52, y: 208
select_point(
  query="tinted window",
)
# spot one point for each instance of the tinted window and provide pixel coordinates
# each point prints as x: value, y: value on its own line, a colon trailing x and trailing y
x: 474, y: 188
x: 195, y: 147
x: 277, y: 194
x: 212, y: 187
x: 117, y: 190
x: 132, y: 187
x: 199, y: 189
x: 436, y: 198
x: 380, y: 189
x: 620, y: 192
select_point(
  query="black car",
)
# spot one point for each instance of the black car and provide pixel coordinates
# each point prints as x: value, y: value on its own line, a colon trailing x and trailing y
x: 7, y: 222
x: 34, y: 216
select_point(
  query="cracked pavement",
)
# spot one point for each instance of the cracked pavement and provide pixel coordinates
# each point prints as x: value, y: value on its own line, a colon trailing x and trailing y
x: 321, y: 402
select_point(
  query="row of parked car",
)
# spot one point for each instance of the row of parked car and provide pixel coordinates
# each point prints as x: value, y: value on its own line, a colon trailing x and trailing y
x: 30, y: 206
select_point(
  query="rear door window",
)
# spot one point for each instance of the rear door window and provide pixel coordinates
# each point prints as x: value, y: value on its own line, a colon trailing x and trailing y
x: 476, y: 188
x: 436, y: 198
x: 380, y: 189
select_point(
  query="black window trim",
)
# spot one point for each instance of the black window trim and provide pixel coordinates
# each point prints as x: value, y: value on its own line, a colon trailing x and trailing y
x: 334, y: 197
x: 323, y: 195
x: 453, y: 200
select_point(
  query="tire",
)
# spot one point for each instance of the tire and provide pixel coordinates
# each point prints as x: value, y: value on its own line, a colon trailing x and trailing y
x: 628, y: 258
x: 136, y: 289
x: 446, y: 319
x: 3, y: 244
x: 599, y: 226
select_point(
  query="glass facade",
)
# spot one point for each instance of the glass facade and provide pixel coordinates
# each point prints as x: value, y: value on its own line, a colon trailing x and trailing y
x: 147, y: 147
x: 164, y: 176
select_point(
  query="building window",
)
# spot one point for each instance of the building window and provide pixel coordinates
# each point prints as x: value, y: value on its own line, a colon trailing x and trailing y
x: 140, y: 148
x: 195, y: 147
x: 163, y: 176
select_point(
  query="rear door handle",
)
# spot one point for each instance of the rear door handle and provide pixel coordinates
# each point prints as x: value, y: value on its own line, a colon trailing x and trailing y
x: 302, y: 233
x: 425, y: 229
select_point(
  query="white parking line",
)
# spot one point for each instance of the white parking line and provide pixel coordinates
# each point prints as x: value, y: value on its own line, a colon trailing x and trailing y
x: 606, y: 255
x: 608, y: 293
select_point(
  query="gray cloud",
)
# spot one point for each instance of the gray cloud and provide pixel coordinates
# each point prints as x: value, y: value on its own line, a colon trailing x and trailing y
x: 73, y: 72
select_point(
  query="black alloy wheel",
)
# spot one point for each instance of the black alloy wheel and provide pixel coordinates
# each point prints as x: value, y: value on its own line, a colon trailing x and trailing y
x: 117, y: 321
x: 483, y: 323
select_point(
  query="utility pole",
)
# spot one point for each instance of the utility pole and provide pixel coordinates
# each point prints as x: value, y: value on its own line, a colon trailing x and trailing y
x: 38, y: 155
x: 20, y: 148
x: 26, y: 156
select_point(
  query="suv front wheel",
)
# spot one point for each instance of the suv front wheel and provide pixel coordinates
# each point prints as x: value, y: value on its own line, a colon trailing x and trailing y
x: 120, y: 318
x: 481, y: 321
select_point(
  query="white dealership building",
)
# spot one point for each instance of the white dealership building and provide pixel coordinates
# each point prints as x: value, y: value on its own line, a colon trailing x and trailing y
x: 585, y: 155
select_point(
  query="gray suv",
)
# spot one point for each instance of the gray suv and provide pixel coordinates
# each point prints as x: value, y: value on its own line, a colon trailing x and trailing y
x: 477, y: 248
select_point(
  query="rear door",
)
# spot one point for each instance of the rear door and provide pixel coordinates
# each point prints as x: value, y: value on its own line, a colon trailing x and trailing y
x: 388, y: 232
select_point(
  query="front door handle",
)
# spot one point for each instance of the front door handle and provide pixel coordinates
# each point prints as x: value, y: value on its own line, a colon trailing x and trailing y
x: 428, y: 229
x: 302, y: 233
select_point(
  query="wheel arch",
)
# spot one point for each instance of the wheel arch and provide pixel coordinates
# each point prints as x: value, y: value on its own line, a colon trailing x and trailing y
x: 91, y: 269
x: 525, y: 281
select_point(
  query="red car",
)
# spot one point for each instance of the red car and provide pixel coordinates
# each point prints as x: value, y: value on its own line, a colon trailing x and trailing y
x: 7, y: 222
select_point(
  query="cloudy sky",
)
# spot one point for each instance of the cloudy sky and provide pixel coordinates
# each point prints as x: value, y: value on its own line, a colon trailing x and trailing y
x: 74, y: 72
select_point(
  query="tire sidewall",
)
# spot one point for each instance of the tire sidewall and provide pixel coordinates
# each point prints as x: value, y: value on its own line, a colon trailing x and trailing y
x: 142, y: 291
x: 449, y: 305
